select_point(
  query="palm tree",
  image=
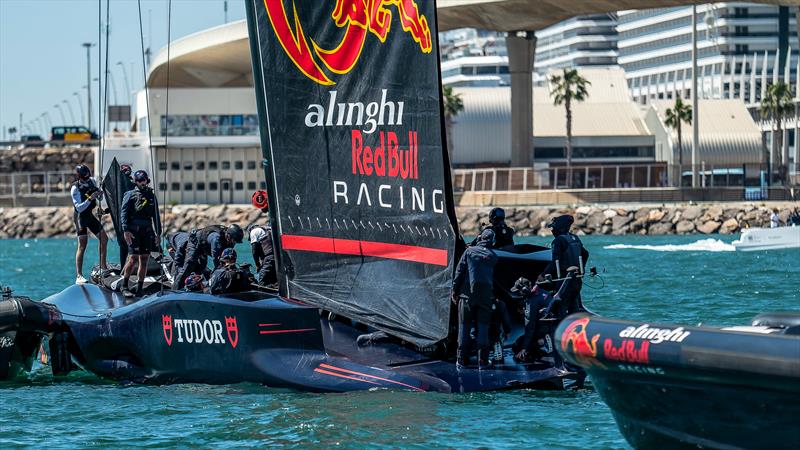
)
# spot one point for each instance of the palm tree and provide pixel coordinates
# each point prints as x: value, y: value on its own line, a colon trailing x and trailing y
x: 567, y: 88
x: 452, y: 106
x: 677, y: 115
x: 776, y: 105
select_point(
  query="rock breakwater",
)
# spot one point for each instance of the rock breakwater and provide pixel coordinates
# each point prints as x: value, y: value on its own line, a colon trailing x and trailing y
x: 44, y: 222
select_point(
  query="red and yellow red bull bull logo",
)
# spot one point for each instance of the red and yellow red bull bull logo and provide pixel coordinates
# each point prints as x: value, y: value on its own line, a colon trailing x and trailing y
x: 358, y: 18
x: 585, y: 350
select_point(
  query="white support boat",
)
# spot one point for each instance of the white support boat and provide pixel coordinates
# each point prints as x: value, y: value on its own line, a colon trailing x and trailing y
x: 753, y: 239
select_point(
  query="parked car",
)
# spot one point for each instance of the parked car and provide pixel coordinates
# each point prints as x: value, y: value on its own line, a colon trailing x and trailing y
x: 31, y: 140
x: 72, y: 133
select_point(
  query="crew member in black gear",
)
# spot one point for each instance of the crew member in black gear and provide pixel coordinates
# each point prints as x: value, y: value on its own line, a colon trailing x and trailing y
x: 230, y: 278
x: 86, y: 196
x: 568, y: 251
x: 472, y: 290
x: 263, y: 253
x: 141, y: 226
x: 126, y: 185
x: 534, y: 301
x: 192, y: 249
x: 504, y: 235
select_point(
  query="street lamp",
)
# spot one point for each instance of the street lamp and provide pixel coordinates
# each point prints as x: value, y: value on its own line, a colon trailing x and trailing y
x: 60, y: 112
x: 88, y: 46
x: 80, y: 105
x: 128, y: 91
x: 71, y: 114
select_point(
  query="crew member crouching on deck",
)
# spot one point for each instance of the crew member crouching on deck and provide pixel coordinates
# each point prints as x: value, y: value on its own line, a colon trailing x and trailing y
x: 230, y: 278
x: 191, y: 250
x: 141, y: 226
x: 472, y: 290
x: 85, y: 198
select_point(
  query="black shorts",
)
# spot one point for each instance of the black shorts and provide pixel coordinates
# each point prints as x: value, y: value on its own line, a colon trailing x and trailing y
x: 144, y: 241
x: 85, y: 223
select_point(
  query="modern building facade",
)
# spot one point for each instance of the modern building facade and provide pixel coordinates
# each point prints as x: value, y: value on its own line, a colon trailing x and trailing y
x: 739, y: 45
x: 583, y: 41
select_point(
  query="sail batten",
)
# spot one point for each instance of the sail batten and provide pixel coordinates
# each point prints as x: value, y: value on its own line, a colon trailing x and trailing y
x: 350, y: 110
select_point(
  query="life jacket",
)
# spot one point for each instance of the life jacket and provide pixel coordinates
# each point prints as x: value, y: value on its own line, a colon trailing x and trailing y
x: 203, y: 233
x: 570, y: 256
x: 86, y: 188
x: 144, y: 206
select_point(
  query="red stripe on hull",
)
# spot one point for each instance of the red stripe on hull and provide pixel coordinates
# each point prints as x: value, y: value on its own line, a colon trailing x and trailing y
x: 327, y: 366
x: 344, y: 376
x: 365, y: 248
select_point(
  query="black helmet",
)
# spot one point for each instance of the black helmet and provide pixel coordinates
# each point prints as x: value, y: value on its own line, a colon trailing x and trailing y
x: 235, y: 233
x: 561, y: 224
x: 522, y: 286
x: 140, y: 175
x: 228, y: 254
x: 82, y: 171
x: 486, y: 237
x: 497, y: 215
x: 125, y: 169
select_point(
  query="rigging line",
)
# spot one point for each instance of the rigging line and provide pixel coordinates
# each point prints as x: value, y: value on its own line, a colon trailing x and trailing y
x: 104, y: 104
x: 166, y: 122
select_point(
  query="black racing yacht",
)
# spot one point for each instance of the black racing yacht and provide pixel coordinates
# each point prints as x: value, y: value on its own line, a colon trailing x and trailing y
x: 364, y: 227
x: 671, y: 386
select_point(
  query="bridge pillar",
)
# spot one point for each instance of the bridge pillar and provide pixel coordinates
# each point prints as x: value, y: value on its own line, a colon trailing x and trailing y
x: 521, y: 50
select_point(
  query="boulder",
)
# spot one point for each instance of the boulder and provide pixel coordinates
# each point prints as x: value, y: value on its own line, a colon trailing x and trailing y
x: 729, y: 226
x: 609, y: 213
x: 585, y: 210
x: 709, y: 227
x: 618, y: 222
x: 713, y: 213
x: 641, y: 213
x: 655, y: 215
x: 595, y: 220
x: 660, y: 228
x: 684, y: 227
x: 692, y: 213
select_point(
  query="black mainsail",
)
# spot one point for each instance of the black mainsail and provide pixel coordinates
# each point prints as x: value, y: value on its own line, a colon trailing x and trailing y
x: 349, y: 102
x: 115, y: 185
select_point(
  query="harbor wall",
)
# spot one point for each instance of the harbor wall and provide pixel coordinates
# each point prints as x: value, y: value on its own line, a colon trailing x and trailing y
x: 729, y: 218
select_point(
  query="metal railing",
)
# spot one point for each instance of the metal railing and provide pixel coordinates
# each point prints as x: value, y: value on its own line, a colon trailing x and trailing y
x: 9, y: 145
x: 634, y: 176
x: 42, y: 185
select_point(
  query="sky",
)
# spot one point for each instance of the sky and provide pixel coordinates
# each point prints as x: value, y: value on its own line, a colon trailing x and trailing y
x: 43, y: 62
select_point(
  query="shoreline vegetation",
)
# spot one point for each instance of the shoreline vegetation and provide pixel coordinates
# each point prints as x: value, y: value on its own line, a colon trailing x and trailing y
x: 724, y: 218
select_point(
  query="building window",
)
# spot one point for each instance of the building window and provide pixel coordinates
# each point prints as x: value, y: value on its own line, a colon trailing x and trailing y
x: 200, y: 165
x: 263, y: 185
x: 212, y: 165
x: 226, y: 186
x: 238, y: 165
x: 176, y: 186
x: 175, y: 165
x: 162, y: 186
x: 187, y: 186
x: 251, y: 165
x: 213, y: 186
x: 210, y: 125
x: 187, y: 165
x: 226, y: 165
x: 201, y: 186
x: 162, y: 166
x: 251, y: 185
x: 239, y: 186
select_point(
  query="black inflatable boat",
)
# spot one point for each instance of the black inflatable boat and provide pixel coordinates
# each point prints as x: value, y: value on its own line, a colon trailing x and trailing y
x: 671, y: 386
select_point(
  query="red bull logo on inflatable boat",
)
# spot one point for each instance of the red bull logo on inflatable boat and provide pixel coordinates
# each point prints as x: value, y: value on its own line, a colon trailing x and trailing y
x: 585, y: 350
x: 358, y: 18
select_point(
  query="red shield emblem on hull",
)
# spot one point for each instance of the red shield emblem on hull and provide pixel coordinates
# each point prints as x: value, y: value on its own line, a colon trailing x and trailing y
x: 166, y: 323
x: 233, y: 331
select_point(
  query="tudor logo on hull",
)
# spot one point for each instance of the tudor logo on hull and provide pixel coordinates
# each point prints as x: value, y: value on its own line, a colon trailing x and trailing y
x: 357, y: 18
x: 193, y: 331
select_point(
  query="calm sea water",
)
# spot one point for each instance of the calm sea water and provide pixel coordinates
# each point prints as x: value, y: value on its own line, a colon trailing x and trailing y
x: 682, y: 279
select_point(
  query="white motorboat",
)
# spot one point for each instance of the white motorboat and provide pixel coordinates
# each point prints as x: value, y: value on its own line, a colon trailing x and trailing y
x: 753, y: 239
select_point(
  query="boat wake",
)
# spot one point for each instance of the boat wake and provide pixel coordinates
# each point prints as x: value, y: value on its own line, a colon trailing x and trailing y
x: 703, y: 245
